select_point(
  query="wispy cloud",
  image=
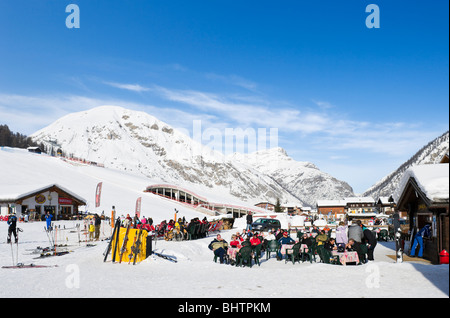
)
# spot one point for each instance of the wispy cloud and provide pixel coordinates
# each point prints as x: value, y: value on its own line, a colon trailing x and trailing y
x: 326, y: 132
x: 129, y: 87
x: 326, y: 128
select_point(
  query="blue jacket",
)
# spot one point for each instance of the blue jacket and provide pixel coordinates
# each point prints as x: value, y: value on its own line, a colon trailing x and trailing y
x: 12, y: 221
x: 425, y: 231
x: 48, y: 218
x: 286, y: 240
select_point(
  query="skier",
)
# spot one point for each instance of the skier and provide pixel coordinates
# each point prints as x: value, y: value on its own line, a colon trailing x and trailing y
x: 12, y: 229
x: 48, y: 219
x: 418, y: 239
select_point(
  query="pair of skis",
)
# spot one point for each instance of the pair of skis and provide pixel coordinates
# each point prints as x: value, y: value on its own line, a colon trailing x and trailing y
x: 116, y: 235
x: 136, y: 248
x: 21, y: 265
x: 15, y: 258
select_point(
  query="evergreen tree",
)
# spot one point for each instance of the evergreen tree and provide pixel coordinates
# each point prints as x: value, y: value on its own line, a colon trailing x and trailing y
x: 277, y: 207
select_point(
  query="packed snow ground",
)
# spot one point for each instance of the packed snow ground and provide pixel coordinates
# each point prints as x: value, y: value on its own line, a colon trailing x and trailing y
x: 82, y: 273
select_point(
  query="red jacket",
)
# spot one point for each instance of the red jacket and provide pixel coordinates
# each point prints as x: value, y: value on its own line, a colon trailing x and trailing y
x: 255, y: 240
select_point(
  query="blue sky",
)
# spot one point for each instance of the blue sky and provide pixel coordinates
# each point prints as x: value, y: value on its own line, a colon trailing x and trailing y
x: 357, y: 102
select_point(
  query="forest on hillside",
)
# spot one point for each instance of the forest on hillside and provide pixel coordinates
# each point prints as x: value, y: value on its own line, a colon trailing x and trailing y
x: 16, y: 140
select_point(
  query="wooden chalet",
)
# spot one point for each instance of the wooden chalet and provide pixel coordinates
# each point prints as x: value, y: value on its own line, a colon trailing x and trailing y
x: 423, y: 193
x: 36, y: 201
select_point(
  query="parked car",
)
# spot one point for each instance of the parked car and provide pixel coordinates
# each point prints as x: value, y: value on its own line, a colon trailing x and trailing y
x: 264, y: 225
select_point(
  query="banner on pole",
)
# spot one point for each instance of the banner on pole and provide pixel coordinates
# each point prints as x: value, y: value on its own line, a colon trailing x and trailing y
x: 138, y: 207
x: 98, y: 193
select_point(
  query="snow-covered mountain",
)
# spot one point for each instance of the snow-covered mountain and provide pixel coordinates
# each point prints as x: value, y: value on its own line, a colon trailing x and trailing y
x: 137, y: 142
x: 300, y: 178
x: 430, y: 154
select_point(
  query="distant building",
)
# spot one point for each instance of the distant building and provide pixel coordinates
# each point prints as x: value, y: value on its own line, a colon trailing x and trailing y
x: 266, y: 205
x: 360, y: 208
x: 34, y: 150
x: 385, y: 205
x: 335, y: 208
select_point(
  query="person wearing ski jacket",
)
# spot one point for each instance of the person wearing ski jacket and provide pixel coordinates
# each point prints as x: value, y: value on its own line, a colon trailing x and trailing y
x: 371, y: 242
x: 418, y: 239
x: 97, y: 223
x: 255, y: 240
x: 286, y: 239
x: 144, y: 225
x: 12, y: 229
x: 249, y: 221
x: 219, y: 246
x: 48, y: 219
x: 341, y: 235
x: 355, y: 232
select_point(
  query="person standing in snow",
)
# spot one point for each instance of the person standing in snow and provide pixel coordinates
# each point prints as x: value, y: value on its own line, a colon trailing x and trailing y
x: 97, y: 223
x: 418, y: 239
x: 355, y: 232
x: 249, y: 220
x: 341, y: 235
x: 371, y: 241
x: 48, y: 219
x: 12, y: 229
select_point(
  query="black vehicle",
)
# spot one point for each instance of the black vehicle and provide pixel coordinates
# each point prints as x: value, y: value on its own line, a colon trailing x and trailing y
x: 264, y: 225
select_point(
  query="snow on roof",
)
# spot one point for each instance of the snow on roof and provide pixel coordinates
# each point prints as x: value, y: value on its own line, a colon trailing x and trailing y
x: 432, y: 180
x: 384, y: 200
x: 359, y: 200
x: 331, y: 202
x: 15, y: 192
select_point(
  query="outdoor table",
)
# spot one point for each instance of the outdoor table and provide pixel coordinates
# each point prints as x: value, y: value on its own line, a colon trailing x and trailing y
x: 346, y: 257
x: 232, y: 252
x: 286, y: 248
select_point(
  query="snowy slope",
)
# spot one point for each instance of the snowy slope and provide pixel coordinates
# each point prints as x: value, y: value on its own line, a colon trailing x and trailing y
x: 429, y: 154
x: 21, y: 169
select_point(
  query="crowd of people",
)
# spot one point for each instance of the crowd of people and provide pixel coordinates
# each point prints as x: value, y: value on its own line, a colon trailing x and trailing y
x: 354, y: 238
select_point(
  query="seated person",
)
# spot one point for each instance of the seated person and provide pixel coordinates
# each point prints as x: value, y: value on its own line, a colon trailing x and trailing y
x: 219, y: 246
x: 321, y: 238
x: 286, y: 239
x: 235, y: 242
x: 244, y: 252
x: 307, y: 240
x: 239, y: 237
x: 353, y: 246
x: 254, y: 240
x: 330, y: 245
x: 268, y: 237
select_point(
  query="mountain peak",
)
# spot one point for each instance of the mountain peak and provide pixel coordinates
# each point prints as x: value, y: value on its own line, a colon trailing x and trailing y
x: 137, y: 142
